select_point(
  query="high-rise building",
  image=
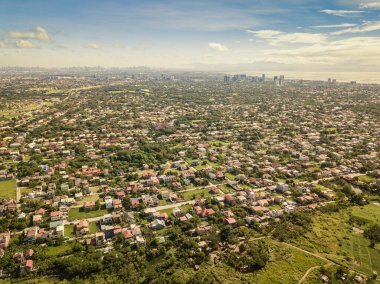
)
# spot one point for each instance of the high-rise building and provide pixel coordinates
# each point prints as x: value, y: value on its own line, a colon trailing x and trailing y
x: 282, y: 80
x: 276, y: 81
x: 263, y: 77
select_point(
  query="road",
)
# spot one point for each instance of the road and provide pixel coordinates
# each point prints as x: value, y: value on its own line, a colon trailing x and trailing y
x: 307, y: 273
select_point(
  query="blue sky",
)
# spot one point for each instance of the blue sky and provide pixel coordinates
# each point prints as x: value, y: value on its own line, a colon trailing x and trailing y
x: 200, y: 34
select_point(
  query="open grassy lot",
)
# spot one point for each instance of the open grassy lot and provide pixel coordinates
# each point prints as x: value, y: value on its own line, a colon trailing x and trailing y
x: 25, y: 190
x: 8, y: 189
x: 184, y: 208
x: 77, y: 213
x: 287, y: 265
x: 226, y: 188
x: 197, y: 193
x: 54, y: 251
x: 69, y: 231
x: 88, y: 198
x: 93, y: 227
x: 366, y: 179
x: 94, y: 189
x: 370, y: 212
x: 230, y: 176
x: 332, y: 237
x: 218, y: 143
x: 362, y: 255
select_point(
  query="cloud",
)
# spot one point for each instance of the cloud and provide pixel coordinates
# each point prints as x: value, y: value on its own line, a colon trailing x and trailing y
x: 25, y: 44
x: 21, y: 35
x: 276, y: 37
x: 217, y: 46
x: 371, y: 5
x: 92, y: 45
x: 342, y: 13
x: 365, y: 27
x: 42, y: 34
x: 356, y: 50
x: 346, y: 25
x: 38, y: 33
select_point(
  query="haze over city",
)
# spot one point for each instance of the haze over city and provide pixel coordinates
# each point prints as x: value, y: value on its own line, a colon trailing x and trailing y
x: 292, y: 35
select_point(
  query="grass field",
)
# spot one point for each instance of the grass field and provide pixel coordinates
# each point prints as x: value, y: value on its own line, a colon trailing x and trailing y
x: 366, y: 179
x: 226, y: 188
x: 88, y: 198
x: 332, y: 237
x: 25, y: 190
x: 76, y: 213
x: 230, y: 176
x: 370, y: 212
x: 170, y: 210
x: 287, y: 265
x: 93, y: 227
x: 202, y: 192
x: 366, y: 259
x: 69, y: 231
x: 8, y: 189
x: 54, y: 251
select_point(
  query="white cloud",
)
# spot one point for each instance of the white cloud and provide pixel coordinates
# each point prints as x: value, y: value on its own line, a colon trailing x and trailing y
x: 365, y: 27
x: 370, y: 5
x: 360, y: 50
x: 92, y: 45
x: 38, y: 33
x: 25, y: 44
x: 21, y: 35
x: 342, y: 13
x: 217, y: 46
x: 346, y: 25
x: 276, y: 37
x: 41, y: 34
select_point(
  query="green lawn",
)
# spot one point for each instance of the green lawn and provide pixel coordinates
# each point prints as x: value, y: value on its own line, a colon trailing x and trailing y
x: 25, y: 190
x: 230, y: 176
x: 76, y: 213
x: 88, y: 198
x: 366, y: 179
x: 370, y: 212
x: 8, y: 189
x: 218, y: 143
x: 226, y: 188
x: 69, y: 231
x: 93, y: 227
x: 202, y: 192
x: 184, y: 208
x: 54, y: 251
x: 163, y: 202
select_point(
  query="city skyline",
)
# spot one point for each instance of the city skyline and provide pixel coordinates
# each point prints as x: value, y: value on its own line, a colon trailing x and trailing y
x: 206, y: 35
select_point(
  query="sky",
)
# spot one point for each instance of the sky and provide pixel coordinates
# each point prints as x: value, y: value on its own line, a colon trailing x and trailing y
x: 294, y: 35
